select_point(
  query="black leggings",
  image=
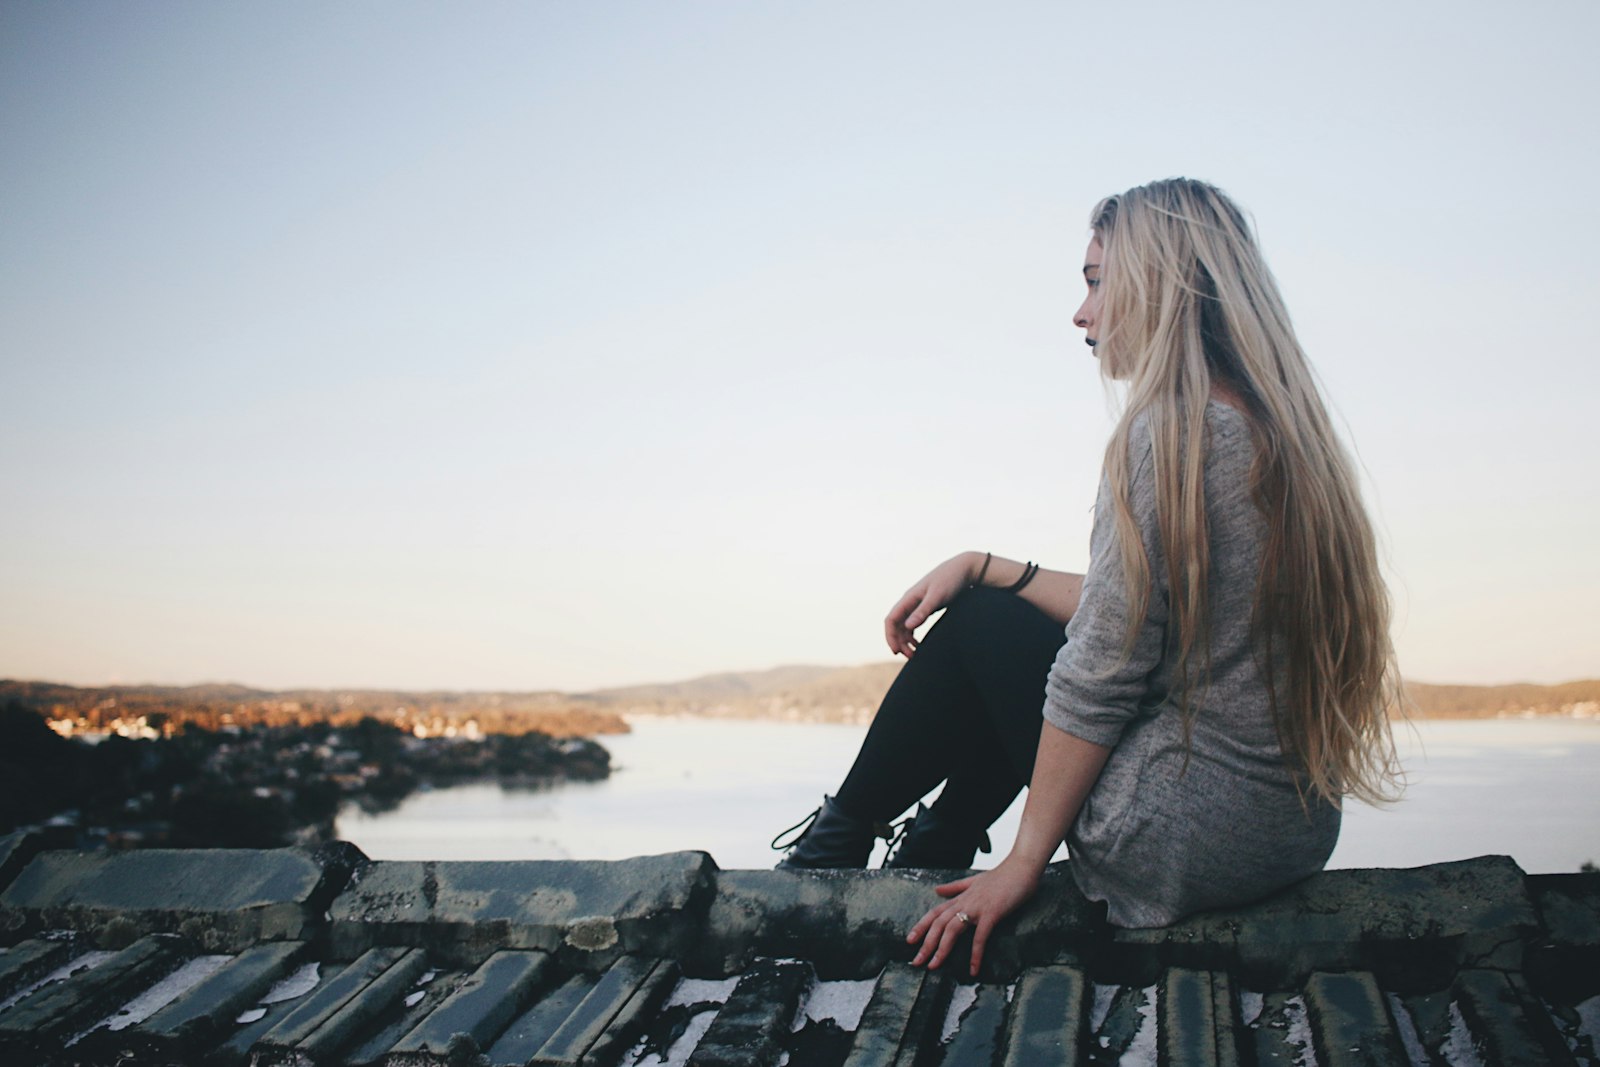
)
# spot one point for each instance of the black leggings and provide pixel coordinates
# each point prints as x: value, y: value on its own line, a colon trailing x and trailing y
x: 964, y: 710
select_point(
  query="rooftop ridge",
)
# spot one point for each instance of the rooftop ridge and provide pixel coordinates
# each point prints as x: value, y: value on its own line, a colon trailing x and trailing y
x: 597, y: 949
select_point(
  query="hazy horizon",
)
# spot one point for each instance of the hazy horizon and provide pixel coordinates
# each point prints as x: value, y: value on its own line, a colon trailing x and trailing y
x: 562, y: 346
x: 644, y: 684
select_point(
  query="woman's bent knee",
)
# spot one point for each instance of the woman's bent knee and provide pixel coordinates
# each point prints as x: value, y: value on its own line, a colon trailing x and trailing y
x: 985, y: 608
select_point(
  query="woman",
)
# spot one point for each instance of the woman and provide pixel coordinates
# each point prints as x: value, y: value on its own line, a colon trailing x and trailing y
x: 1226, y: 676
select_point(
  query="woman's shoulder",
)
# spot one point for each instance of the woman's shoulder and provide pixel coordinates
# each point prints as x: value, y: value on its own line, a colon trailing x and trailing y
x: 1227, y: 428
x: 1227, y: 416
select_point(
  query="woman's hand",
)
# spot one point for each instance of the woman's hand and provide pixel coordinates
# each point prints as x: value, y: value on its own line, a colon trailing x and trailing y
x: 977, y: 903
x: 1064, y: 771
x: 936, y: 589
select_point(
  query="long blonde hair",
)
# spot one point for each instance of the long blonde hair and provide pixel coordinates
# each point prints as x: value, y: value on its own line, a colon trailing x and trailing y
x: 1187, y: 300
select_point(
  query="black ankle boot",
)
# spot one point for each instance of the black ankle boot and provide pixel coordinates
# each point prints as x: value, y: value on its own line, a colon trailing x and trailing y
x: 934, y: 842
x: 829, y: 838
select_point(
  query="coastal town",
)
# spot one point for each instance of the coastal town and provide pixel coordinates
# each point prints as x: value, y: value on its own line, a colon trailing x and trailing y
x: 155, y: 780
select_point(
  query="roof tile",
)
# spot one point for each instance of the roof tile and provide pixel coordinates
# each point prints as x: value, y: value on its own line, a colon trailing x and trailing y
x: 1403, y: 966
x: 1049, y: 1018
x: 1350, y: 1022
x: 479, y: 1010
x: 54, y: 1015
x: 748, y: 1031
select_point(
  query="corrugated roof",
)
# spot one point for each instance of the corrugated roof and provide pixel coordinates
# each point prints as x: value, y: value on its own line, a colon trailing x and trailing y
x: 321, y: 957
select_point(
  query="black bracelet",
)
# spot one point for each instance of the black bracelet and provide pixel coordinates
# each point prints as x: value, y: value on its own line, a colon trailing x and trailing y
x: 1027, y: 576
x: 987, y: 556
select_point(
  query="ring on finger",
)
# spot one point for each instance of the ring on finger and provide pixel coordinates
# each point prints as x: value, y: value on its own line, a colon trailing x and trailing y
x: 963, y: 918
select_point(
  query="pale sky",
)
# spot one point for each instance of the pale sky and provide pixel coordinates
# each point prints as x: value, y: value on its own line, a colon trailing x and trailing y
x: 563, y: 345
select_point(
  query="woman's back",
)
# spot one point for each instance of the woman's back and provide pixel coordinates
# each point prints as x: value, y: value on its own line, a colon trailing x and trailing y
x: 1182, y: 818
x: 1189, y: 308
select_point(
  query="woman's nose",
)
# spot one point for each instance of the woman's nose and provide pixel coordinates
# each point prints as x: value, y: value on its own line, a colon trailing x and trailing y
x: 1080, y: 318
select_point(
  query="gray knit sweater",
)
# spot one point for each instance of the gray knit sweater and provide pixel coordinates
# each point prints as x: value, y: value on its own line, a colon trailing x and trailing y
x: 1155, y: 840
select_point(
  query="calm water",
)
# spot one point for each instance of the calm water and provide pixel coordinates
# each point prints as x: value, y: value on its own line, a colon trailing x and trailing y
x: 1527, y: 789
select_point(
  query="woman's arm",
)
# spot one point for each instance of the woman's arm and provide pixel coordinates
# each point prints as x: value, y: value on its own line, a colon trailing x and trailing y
x: 1063, y: 773
x: 1053, y: 592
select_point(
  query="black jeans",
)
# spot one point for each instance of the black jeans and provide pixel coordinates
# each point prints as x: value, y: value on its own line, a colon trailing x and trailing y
x: 964, y: 710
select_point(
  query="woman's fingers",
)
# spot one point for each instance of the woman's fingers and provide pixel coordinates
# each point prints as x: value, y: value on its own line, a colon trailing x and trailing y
x: 924, y: 932
x: 975, y: 904
x: 926, y: 947
x: 902, y: 607
x: 980, y: 938
x: 954, y: 926
x: 895, y: 629
x: 903, y: 644
x: 926, y: 922
x: 930, y: 929
x: 936, y: 589
x: 939, y: 931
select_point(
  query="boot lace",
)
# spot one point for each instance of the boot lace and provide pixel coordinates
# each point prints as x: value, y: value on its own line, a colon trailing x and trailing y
x: 778, y: 842
x: 898, y: 833
x: 903, y: 827
x: 886, y: 831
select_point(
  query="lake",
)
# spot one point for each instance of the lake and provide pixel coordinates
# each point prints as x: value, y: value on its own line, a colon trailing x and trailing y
x: 1524, y: 788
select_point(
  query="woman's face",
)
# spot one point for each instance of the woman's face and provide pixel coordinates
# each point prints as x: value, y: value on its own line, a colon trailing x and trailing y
x: 1088, y: 317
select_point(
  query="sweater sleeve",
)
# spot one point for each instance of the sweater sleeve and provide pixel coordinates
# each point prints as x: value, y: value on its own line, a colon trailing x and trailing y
x: 1093, y: 691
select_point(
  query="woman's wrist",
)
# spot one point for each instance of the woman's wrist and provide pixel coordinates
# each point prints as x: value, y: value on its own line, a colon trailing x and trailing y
x: 1026, y: 865
x: 988, y: 569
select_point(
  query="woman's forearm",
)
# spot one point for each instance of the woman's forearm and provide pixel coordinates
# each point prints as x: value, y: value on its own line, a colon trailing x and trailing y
x: 1063, y: 774
x: 1053, y: 592
x: 1064, y: 771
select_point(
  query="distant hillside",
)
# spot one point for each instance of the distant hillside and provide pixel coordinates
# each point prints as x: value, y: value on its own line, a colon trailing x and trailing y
x: 214, y: 706
x: 792, y: 693
x: 852, y: 694
x: 799, y: 694
x: 728, y: 685
x: 1491, y: 701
